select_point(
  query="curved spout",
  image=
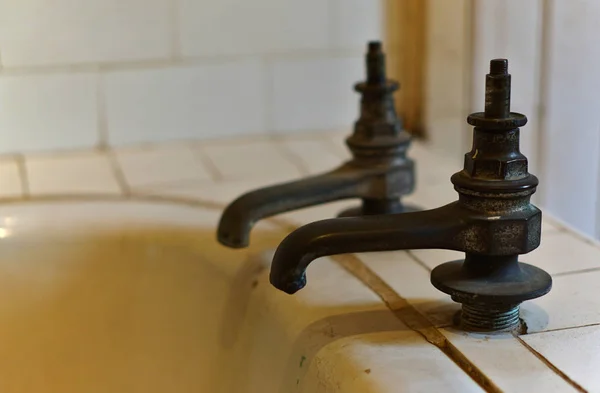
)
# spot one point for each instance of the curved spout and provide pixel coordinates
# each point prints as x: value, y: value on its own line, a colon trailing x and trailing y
x: 436, y: 228
x: 241, y: 215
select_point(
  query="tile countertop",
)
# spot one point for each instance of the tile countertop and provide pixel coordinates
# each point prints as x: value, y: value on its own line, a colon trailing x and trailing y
x: 559, y: 353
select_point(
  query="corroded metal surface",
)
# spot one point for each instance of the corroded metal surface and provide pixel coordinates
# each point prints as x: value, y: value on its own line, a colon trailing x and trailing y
x: 379, y: 172
x: 493, y: 222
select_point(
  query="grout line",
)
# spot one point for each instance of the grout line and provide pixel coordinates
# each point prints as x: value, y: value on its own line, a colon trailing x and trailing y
x: 23, y: 175
x: 551, y: 366
x: 102, y: 115
x: 293, y: 158
x: 269, y: 94
x: 309, y: 54
x: 418, y: 260
x: 118, y: 173
x: 582, y: 271
x: 565, y: 328
x: 175, y: 32
x: 413, y: 319
x: 208, y: 163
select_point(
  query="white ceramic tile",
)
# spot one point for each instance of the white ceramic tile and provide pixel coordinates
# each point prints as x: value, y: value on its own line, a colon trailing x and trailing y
x: 10, y: 180
x: 316, y: 93
x: 432, y: 258
x: 562, y: 252
x: 570, y: 91
x: 204, y: 101
x: 260, y: 26
x: 387, y: 362
x: 355, y: 22
x: 37, y: 32
x: 251, y: 160
x: 316, y: 155
x: 161, y: 165
x: 576, y: 352
x: 573, y: 301
x: 47, y: 111
x: 411, y: 282
x: 507, y: 362
x: 68, y: 174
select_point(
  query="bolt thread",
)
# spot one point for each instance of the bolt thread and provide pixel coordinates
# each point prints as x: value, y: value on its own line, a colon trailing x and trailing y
x: 375, y: 63
x: 499, y: 67
x: 489, y: 317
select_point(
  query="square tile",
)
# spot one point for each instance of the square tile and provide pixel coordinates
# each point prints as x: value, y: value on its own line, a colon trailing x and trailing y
x: 204, y: 101
x: 250, y: 160
x: 161, y: 165
x: 71, y: 173
x: 315, y: 155
x: 507, y: 362
x: 355, y: 22
x: 233, y: 27
x: 316, y: 94
x: 10, y: 180
x: 562, y: 252
x: 576, y: 352
x: 572, y: 302
x: 48, y: 111
x: 37, y: 32
x: 411, y: 281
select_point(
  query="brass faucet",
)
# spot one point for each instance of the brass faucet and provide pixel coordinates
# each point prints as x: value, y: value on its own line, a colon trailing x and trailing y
x: 379, y: 172
x: 493, y: 222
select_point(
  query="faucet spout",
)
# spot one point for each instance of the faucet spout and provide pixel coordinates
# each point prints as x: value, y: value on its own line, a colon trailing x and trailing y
x: 437, y: 228
x: 241, y: 215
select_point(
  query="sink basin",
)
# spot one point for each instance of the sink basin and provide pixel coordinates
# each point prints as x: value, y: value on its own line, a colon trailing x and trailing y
x: 138, y: 297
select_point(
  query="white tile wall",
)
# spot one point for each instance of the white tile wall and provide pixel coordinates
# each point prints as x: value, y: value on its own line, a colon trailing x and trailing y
x: 571, y: 125
x: 177, y: 69
x: 227, y: 27
x: 315, y: 94
x: 48, y: 111
x: 217, y: 100
x: 38, y: 32
x: 355, y: 21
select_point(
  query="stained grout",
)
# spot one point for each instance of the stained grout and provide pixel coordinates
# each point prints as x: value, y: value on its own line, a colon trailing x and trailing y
x: 208, y: 163
x: 550, y: 365
x: 23, y: 174
x: 413, y: 319
x: 102, y: 115
x: 118, y: 172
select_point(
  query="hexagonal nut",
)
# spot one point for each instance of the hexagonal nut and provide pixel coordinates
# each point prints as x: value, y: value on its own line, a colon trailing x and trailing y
x: 496, y: 169
x: 395, y: 183
x: 510, y: 235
